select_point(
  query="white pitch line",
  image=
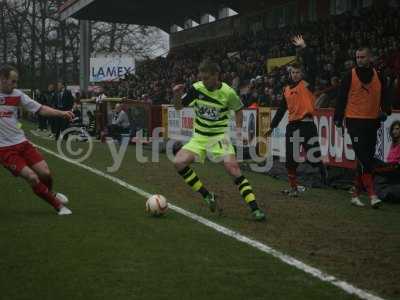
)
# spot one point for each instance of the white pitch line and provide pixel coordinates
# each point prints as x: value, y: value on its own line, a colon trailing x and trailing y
x: 343, y: 285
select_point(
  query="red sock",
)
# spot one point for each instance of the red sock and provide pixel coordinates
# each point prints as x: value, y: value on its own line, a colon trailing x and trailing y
x: 292, y: 177
x: 368, y: 183
x: 47, y: 181
x: 358, y: 186
x: 43, y: 192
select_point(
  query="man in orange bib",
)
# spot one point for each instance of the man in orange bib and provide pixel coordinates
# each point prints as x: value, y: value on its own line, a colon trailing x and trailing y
x: 301, y: 130
x: 363, y: 102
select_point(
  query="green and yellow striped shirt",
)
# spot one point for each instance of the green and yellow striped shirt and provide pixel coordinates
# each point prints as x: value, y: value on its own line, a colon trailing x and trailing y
x: 212, y: 108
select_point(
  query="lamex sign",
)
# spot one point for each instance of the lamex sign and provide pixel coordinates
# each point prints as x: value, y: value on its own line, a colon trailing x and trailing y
x: 110, y: 72
x: 110, y: 67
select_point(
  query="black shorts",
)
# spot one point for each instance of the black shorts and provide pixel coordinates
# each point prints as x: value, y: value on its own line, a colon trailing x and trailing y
x: 302, y: 133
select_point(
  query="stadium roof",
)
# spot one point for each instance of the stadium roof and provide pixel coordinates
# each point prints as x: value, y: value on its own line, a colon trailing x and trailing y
x: 161, y: 14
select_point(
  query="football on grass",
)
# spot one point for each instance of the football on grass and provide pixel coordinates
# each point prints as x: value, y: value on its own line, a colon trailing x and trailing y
x: 156, y: 205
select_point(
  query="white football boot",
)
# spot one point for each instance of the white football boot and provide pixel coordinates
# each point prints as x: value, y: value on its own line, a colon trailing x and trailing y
x: 356, y: 202
x: 63, y: 211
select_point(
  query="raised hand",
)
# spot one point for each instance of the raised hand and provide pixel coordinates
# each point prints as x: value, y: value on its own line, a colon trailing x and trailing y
x: 298, y: 41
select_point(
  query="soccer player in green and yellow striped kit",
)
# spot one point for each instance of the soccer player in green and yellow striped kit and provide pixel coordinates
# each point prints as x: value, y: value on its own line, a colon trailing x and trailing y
x: 212, y: 101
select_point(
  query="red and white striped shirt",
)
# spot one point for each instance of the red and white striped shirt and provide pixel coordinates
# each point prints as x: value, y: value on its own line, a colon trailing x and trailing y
x: 10, y: 133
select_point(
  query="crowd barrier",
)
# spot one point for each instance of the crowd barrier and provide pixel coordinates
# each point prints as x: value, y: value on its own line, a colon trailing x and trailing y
x: 336, y: 145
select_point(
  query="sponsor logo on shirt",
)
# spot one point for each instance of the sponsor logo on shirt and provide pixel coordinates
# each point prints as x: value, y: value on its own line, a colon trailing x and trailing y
x: 209, y: 113
x: 10, y: 100
x: 6, y: 114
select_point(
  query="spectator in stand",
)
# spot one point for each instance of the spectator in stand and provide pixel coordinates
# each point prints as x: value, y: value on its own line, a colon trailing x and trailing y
x: 394, y: 153
x: 387, y: 177
x: 235, y: 82
x: 259, y: 85
x: 146, y: 99
x: 326, y: 98
x: 264, y: 99
x: 243, y: 56
x: 250, y: 97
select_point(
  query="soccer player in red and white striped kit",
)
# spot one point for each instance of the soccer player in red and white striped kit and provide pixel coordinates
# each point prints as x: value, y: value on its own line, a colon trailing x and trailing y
x: 17, y: 154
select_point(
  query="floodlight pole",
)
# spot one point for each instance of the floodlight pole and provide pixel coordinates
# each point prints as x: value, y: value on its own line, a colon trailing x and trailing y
x: 84, y: 47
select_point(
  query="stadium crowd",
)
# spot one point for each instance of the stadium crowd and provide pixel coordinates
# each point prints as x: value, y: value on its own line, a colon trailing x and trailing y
x: 243, y: 59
